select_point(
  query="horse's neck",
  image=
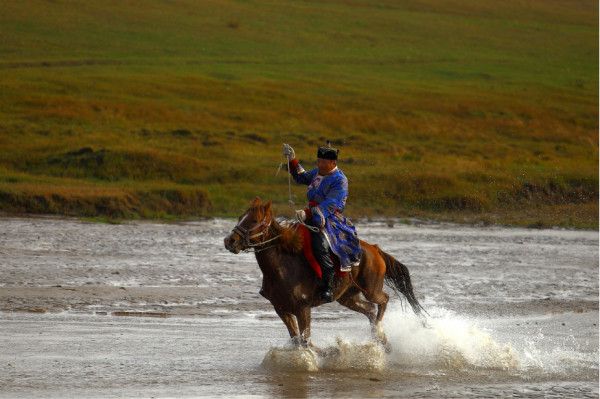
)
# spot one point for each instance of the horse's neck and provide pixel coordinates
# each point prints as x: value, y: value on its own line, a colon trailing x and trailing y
x: 268, y: 261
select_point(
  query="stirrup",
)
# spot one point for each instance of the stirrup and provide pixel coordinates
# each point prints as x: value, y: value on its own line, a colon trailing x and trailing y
x: 327, y: 296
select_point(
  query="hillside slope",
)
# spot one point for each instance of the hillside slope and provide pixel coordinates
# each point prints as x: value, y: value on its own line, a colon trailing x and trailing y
x: 466, y: 110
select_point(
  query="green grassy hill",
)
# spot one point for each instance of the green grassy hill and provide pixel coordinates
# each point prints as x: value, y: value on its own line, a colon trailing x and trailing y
x: 466, y: 110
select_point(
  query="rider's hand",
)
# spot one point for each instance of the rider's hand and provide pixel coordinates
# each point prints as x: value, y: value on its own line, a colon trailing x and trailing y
x: 301, y: 215
x: 288, y: 152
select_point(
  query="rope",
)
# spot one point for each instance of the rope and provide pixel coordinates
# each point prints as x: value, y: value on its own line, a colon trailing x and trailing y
x: 254, y: 247
x: 356, y: 284
x: 311, y: 228
x: 264, y: 242
x: 258, y: 250
x: 290, y: 200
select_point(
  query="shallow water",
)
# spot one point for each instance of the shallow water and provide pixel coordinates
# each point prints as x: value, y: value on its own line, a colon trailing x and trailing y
x: 513, y: 312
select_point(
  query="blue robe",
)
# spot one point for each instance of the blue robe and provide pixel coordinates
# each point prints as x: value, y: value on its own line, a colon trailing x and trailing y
x: 327, y: 199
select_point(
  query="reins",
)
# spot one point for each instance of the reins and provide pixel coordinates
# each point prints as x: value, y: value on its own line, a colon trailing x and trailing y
x: 247, y: 236
x: 258, y: 250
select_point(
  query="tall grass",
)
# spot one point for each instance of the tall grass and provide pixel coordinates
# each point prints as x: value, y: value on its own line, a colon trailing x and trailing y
x: 461, y: 110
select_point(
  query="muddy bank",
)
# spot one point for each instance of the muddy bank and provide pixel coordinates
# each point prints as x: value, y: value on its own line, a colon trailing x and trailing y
x: 168, y: 301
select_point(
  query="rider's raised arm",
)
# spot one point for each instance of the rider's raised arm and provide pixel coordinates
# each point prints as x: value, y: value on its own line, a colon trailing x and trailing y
x: 300, y: 175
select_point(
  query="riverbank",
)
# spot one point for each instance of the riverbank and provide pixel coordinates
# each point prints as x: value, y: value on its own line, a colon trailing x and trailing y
x: 539, y: 219
x: 126, y: 207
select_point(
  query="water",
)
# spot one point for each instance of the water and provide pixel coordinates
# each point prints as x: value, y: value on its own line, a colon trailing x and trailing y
x: 513, y: 312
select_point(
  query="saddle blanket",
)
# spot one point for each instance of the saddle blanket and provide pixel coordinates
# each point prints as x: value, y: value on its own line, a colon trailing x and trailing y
x: 310, y: 257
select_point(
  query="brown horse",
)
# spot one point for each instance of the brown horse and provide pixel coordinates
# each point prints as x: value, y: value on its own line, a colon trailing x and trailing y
x: 292, y: 286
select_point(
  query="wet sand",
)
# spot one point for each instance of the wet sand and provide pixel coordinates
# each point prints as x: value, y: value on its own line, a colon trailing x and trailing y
x: 163, y: 310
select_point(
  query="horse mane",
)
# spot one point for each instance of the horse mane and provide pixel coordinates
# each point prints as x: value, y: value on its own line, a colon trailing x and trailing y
x: 291, y: 240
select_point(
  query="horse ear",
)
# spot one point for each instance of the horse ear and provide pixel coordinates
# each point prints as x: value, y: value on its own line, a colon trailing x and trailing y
x: 267, y: 207
x: 256, y: 202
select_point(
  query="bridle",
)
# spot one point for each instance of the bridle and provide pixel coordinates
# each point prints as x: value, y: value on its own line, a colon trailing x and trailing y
x: 247, y: 235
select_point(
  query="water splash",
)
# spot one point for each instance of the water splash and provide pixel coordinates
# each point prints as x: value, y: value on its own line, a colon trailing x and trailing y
x: 446, y: 342
x: 291, y: 358
x: 560, y: 355
x: 344, y: 355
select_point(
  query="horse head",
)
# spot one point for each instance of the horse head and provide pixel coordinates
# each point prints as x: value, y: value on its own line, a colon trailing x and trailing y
x: 251, y: 228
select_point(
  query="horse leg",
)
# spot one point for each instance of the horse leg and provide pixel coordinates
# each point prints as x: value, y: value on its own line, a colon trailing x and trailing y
x: 381, y: 299
x: 373, y: 311
x: 370, y: 280
x: 303, y: 317
x: 351, y: 299
x: 374, y: 293
x: 377, y: 327
x: 291, y: 323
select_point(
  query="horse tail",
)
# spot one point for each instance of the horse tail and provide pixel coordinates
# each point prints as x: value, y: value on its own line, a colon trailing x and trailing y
x: 398, y: 278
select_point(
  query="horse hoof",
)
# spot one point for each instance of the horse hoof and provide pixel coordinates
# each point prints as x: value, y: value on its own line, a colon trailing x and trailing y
x: 387, y: 347
x: 299, y: 342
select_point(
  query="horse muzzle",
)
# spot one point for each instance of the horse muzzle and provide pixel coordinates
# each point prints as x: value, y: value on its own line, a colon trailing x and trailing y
x: 232, y: 243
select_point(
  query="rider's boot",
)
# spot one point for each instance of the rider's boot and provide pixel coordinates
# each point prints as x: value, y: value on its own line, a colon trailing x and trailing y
x: 327, y: 293
x: 321, y: 251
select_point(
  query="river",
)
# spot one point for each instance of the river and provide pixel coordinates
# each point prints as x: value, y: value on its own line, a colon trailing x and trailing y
x: 146, y: 309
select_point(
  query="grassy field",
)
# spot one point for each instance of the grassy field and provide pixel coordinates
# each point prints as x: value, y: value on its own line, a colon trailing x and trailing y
x: 469, y: 111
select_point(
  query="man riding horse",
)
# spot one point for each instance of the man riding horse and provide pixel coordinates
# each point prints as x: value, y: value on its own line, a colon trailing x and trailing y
x: 327, y: 194
x: 289, y: 284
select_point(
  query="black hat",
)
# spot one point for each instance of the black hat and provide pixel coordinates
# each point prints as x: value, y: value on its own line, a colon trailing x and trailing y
x: 328, y: 152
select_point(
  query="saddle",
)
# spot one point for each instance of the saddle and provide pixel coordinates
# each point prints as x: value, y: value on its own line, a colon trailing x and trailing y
x: 310, y: 257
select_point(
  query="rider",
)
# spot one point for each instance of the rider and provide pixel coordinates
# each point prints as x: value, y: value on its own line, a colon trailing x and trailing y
x: 327, y: 194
